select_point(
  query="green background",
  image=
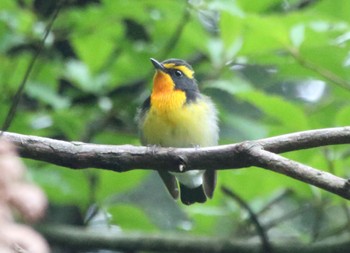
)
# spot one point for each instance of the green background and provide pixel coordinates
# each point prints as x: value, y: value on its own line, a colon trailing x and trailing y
x: 271, y: 67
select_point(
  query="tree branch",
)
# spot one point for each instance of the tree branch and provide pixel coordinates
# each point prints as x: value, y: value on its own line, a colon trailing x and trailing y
x: 262, y: 153
x: 81, y: 238
x: 307, y: 174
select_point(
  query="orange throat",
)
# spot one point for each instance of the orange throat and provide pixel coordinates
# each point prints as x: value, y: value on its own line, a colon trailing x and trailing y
x: 164, y: 97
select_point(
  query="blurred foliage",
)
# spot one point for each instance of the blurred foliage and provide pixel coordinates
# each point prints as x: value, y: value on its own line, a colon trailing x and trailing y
x: 272, y: 67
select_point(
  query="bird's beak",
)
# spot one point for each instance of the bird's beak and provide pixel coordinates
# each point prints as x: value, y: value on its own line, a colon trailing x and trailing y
x: 157, y: 65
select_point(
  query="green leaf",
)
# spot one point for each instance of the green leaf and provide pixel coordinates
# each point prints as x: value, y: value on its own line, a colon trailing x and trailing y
x: 232, y: 86
x: 7, y: 4
x: 47, y: 95
x: 297, y: 34
x: 94, y: 50
x: 338, y: 10
x: 226, y: 6
x: 235, y: 128
x: 279, y: 111
x: 216, y: 51
x: 244, y: 182
x: 79, y: 74
x: 230, y: 30
x: 63, y: 186
x: 258, y: 6
x: 111, y: 183
x: 151, y: 196
x: 264, y: 34
x: 129, y: 217
x: 343, y: 116
x: 70, y: 123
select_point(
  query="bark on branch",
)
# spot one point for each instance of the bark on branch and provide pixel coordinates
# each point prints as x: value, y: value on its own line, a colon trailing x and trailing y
x: 261, y: 153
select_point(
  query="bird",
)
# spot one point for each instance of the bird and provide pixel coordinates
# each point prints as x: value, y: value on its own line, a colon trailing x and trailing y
x: 177, y: 115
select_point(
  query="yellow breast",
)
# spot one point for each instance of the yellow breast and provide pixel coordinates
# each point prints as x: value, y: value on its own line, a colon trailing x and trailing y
x: 172, y: 123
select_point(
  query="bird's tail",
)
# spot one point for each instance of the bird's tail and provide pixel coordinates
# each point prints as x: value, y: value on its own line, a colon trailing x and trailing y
x: 190, y: 196
x: 200, y: 193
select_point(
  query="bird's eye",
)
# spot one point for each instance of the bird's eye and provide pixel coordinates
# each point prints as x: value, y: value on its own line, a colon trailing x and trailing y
x: 178, y: 73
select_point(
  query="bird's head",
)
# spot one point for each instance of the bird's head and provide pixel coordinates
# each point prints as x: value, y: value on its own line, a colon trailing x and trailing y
x: 174, y: 75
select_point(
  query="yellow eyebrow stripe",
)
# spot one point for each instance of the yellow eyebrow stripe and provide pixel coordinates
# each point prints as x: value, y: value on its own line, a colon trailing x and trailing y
x: 187, y: 72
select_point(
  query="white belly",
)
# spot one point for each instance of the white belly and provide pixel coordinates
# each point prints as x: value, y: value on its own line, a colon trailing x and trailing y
x: 192, y: 179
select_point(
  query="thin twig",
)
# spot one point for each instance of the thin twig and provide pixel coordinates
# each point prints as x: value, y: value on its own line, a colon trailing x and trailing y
x: 266, y: 246
x: 12, y: 111
x: 287, y: 216
x: 325, y: 73
x: 275, y: 200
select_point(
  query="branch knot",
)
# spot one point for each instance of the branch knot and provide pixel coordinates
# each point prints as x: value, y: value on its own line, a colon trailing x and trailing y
x: 182, y: 163
x: 248, y: 149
